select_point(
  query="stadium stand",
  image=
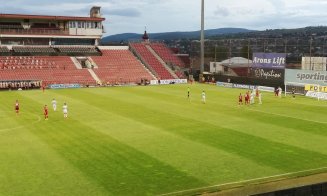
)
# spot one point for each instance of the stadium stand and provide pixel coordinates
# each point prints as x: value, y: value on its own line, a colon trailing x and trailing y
x: 150, y: 60
x: 77, y: 49
x: 120, y: 66
x: 68, y: 52
x: 4, y: 50
x: 50, y: 70
x: 166, y: 54
x: 180, y: 74
x: 33, y: 49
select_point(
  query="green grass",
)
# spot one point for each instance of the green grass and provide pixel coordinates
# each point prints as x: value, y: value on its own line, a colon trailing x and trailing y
x: 153, y: 140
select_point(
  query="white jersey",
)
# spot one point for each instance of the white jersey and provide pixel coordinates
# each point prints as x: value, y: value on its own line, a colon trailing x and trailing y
x: 65, y: 109
x: 280, y: 91
x: 203, y: 97
x: 54, y: 105
x: 252, y: 98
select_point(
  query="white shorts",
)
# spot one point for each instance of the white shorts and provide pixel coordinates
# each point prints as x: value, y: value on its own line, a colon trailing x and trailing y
x: 65, y: 112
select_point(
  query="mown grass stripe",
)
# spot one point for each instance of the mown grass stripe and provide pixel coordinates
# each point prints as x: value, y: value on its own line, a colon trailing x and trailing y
x: 117, y: 167
x: 223, y: 138
x: 101, y: 118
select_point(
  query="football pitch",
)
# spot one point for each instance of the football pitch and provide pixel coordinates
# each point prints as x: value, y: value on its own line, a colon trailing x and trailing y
x: 152, y: 140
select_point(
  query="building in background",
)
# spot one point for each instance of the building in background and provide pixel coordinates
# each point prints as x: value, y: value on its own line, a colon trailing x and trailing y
x: 236, y: 66
x: 24, y: 30
x: 314, y: 63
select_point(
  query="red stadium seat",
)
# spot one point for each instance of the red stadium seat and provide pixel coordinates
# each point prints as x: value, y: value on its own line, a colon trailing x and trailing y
x: 120, y: 66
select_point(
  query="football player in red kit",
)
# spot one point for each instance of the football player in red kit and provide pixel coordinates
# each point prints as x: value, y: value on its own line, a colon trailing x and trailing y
x: 46, y: 112
x: 247, y: 98
x: 17, y: 107
x: 240, y: 99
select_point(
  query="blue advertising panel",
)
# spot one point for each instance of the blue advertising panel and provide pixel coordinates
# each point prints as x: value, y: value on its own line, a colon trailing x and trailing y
x: 269, y: 60
x: 61, y: 86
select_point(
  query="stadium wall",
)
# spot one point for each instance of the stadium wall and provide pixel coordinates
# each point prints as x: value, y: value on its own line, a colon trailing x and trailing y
x: 250, y: 81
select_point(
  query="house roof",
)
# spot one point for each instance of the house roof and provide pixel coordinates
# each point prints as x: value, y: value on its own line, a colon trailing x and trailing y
x: 236, y: 62
x: 48, y: 17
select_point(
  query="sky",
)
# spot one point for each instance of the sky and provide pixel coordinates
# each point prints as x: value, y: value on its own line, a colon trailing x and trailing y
x: 132, y: 16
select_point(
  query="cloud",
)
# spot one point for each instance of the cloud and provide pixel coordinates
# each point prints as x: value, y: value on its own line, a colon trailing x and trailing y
x: 182, y: 15
x: 222, y: 11
x: 129, y: 12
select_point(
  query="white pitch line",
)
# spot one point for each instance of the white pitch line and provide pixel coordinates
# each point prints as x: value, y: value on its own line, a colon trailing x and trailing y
x: 248, y: 108
x: 286, y: 116
x: 276, y: 114
x: 242, y: 182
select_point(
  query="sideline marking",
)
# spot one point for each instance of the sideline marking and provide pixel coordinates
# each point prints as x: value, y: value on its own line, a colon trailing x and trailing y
x: 242, y: 182
x: 251, y: 109
x: 276, y: 114
x: 22, y: 126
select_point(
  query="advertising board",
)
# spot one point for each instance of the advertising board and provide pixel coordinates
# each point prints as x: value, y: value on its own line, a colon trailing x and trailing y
x: 61, y: 86
x: 269, y: 60
x: 306, y: 77
x: 172, y: 81
x: 267, y: 74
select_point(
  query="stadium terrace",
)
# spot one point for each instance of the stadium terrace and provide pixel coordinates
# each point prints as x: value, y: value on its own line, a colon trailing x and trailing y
x: 67, y: 50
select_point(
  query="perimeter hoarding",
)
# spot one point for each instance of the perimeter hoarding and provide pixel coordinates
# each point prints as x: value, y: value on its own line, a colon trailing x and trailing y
x: 306, y: 77
x: 267, y: 74
x: 172, y: 81
x: 269, y: 60
x: 315, y: 88
x: 61, y: 86
x: 319, y: 95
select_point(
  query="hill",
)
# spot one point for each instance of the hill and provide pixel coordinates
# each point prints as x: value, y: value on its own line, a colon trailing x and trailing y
x: 174, y: 35
x: 311, y: 32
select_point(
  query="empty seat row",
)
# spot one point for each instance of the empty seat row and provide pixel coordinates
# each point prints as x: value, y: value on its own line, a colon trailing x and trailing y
x: 4, y: 49
x: 33, y: 49
x: 120, y: 66
x: 48, y: 69
x: 166, y: 54
x: 152, y: 61
x: 77, y: 49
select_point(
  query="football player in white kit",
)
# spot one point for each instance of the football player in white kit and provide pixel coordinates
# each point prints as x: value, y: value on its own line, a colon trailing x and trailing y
x: 65, y: 110
x: 203, y: 97
x: 54, y: 104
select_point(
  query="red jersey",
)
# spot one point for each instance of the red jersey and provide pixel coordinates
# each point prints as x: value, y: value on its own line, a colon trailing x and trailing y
x: 45, y: 111
x: 17, y: 106
x: 240, y: 98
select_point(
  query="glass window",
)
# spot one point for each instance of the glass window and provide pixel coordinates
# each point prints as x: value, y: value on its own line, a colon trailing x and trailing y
x: 73, y: 24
